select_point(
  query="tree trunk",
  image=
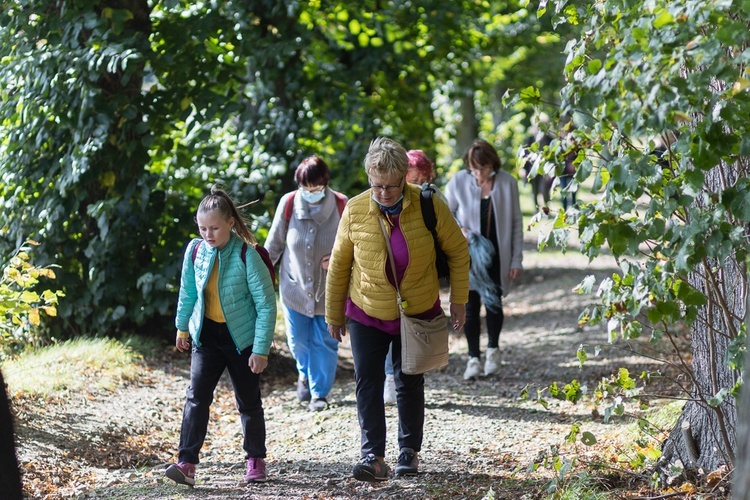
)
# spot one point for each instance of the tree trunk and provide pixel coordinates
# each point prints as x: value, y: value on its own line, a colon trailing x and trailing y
x: 704, y: 437
x: 741, y: 475
x: 468, y: 129
x: 10, y: 477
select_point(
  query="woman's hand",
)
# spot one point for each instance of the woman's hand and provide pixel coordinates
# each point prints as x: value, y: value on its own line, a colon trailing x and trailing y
x: 257, y: 363
x: 458, y: 316
x: 182, y: 343
x: 337, y: 332
x: 324, y: 261
x: 514, y: 273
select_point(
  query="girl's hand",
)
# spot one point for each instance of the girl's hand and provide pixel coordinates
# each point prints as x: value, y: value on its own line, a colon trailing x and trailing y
x: 257, y: 363
x: 324, y: 262
x: 182, y: 344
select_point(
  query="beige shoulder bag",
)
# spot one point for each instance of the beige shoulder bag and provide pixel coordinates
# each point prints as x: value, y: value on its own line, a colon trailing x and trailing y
x: 424, y: 343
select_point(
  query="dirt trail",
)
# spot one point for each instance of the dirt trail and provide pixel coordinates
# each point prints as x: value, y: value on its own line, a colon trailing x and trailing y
x: 480, y: 438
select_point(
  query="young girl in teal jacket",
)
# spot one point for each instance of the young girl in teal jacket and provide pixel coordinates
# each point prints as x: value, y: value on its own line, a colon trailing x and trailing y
x: 227, y: 309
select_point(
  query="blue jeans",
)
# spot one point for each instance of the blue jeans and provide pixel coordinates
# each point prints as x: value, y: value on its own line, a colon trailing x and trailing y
x: 369, y: 350
x: 314, y: 350
x: 217, y: 352
x: 389, y: 362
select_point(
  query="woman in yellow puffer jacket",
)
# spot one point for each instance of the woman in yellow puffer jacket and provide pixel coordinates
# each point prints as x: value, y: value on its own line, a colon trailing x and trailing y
x: 361, y: 298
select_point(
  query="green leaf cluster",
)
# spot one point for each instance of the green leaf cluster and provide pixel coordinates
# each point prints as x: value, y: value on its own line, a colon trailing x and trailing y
x: 659, y: 108
x: 116, y: 117
x: 24, y: 300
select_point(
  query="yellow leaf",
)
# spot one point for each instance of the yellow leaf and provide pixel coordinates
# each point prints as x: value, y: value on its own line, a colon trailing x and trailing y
x: 34, y: 317
x: 51, y: 311
x: 29, y: 297
x: 740, y: 85
x: 108, y: 179
x: 185, y: 103
x: 687, y: 488
x: 47, y: 273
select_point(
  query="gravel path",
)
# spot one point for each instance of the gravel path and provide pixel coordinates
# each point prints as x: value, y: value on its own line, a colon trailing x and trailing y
x: 480, y: 438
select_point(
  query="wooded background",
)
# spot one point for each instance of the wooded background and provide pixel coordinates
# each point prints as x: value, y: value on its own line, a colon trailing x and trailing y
x: 117, y: 116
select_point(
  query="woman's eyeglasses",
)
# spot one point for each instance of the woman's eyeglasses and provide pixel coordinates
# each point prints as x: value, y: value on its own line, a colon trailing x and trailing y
x: 387, y: 189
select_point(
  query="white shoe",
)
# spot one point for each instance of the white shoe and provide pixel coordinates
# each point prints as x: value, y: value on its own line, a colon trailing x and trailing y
x: 492, y: 361
x: 473, y: 369
x: 389, y: 390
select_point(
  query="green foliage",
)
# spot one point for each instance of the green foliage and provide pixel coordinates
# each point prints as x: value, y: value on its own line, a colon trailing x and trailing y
x: 628, y: 89
x: 565, y: 484
x: 23, y: 301
x: 658, y: 103
x: 116, y: 117
x: 75, y: 143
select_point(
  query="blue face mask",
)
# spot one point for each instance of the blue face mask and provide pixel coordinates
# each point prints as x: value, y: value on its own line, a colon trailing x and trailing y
x: 312, y: 197
x: 393, y: 209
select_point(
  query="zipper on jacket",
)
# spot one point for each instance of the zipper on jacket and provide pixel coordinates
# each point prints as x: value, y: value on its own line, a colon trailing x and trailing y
x: 221, y: 302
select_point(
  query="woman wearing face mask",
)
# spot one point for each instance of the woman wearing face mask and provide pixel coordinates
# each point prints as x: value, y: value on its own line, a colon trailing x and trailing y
x: 361, y: 298
x: 484, y: 200
x: 301, y: 238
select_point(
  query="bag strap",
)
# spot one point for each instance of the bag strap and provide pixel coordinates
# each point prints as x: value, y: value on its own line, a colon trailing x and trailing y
x: 428, y: 208
x: 340, y: 202
x: 289, y: 206
x: 195, y: 249
x: 393, y: 264
x: 428, y: 211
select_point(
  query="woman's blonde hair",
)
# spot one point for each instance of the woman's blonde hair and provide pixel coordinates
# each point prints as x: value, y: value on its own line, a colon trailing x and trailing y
x: 386, y: 157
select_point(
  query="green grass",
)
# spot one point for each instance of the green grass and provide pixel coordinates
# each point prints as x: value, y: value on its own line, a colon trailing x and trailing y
x: 581, y: 487
x: 76, y: 365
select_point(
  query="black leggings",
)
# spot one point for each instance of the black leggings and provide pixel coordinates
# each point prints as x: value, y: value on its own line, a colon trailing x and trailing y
x: 472, y: 326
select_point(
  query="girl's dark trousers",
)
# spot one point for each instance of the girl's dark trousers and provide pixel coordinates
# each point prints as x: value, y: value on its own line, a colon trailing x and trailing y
x: 217, y: 352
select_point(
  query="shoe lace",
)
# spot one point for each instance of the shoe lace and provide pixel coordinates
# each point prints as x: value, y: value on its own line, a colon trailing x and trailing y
x: 405, y: 458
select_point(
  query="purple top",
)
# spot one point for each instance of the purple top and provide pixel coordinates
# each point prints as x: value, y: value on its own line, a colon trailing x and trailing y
x: 401, y: 257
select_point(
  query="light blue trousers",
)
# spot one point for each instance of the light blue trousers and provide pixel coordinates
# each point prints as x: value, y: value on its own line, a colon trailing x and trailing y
x: 314, y: 350
x: 389, y: 361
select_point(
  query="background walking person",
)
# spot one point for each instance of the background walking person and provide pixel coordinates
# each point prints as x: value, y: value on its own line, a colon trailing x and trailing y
x: 484, y: 200
x: 301, y: 238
